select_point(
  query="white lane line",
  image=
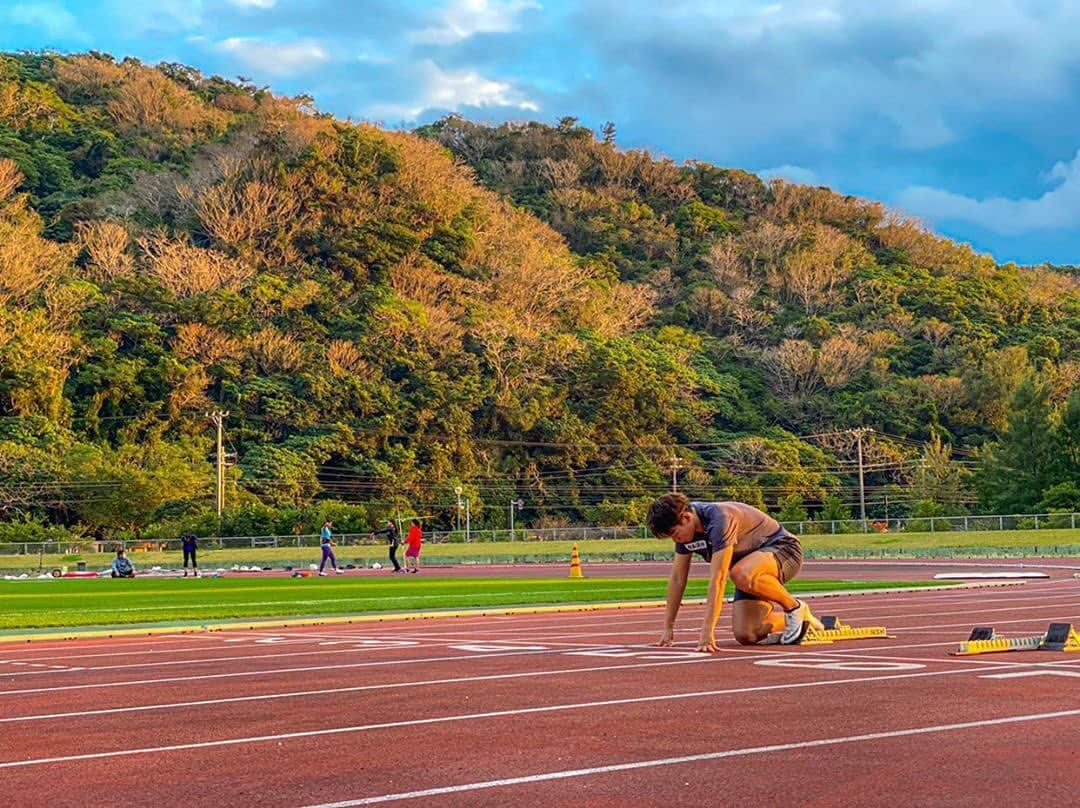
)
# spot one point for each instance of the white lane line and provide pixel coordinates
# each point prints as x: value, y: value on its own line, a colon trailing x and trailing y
x: 728, y: 753
x: 698, y: 758
x: 1004, y: 562
x: 211, y: 660
x: 696, y: 694
x: 355, y: 688
x: 276, y: 671
x: 539, y: 631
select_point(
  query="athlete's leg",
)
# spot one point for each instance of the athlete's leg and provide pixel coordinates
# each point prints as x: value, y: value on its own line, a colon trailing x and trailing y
x: 753, y: 620
x: 758, y: 575
x: 761, y: 575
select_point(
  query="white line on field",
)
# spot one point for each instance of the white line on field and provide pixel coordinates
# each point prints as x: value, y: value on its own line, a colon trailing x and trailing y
x: 696, y: 694
x: 728, y: 753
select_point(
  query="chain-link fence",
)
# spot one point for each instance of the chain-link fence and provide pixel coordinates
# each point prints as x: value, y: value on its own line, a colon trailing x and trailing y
x: 313, y: 539
x: 935, y: 524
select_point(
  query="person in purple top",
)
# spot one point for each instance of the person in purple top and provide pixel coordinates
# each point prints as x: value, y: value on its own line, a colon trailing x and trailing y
x: 326, y: 541
x: 750, y: 546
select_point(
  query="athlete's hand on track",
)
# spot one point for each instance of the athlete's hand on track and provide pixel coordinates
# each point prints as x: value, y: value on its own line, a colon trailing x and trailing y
x: 707, y: 643
x: 666, y: 639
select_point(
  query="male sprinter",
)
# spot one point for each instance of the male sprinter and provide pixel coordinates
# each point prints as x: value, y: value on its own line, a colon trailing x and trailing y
x: 740, y: 541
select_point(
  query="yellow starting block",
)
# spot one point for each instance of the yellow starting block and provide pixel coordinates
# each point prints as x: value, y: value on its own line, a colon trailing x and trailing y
x: 835, y: 631
x: 983, y: 640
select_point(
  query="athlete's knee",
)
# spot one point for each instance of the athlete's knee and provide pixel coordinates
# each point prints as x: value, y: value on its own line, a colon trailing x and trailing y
x: 743, y: 579
x: 746, y: 635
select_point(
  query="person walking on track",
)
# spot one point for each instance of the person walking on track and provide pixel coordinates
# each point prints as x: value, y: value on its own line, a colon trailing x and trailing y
x: 413, y: 540
x: 326, y: 541
x: 393, y: 538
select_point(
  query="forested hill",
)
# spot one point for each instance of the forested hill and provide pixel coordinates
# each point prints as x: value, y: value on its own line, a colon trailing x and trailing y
x: 522, y: 311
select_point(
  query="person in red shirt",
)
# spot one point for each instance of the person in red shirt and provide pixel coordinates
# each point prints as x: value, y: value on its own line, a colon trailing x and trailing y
x: 414, y: 539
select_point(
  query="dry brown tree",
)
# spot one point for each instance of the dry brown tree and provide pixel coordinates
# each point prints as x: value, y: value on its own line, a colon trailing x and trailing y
x: 205, y: 344
x: 106, y: 244
x: 185, y: 270
x: 276, y: 352
x: 345, y: 359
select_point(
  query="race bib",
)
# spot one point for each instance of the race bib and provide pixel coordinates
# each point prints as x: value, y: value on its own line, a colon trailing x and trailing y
x: 700, y: 544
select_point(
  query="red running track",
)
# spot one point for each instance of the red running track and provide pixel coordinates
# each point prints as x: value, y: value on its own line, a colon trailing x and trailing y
x: 554, y: 709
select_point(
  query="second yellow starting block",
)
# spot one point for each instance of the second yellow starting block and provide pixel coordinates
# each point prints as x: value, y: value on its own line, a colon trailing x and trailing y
x: 984, y: 640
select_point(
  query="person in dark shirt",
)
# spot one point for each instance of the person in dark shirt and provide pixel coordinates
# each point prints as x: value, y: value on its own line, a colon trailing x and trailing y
x: 750, y: 546
x: 189, y: 542
x: 393, y: 538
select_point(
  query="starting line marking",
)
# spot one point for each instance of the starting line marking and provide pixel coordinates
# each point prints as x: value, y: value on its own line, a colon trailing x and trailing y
x: 1015, y: 674
x: 729, y: 753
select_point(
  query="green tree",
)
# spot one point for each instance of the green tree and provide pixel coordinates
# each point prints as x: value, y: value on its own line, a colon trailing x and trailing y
x: 1026, y: 461
x: 1068, y: 437
x: 938, y: 478
x: 834, y: 509
x: 792, y: 509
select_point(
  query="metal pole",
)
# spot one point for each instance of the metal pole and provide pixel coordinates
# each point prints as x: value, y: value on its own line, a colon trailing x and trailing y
x: 862, y: 485
x: 676, y: 464
x: 218, y: 417
x: 467, y: 519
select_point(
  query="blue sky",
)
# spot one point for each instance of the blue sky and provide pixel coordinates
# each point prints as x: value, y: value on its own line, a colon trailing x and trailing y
x: 961, y: 113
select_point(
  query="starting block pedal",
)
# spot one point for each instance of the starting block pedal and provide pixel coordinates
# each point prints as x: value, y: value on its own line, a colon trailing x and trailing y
x: 1061, y: 637
x: 983, y: 640
x: 834, y: 631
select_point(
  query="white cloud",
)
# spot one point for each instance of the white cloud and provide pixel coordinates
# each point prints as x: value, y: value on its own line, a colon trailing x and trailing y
x: 454, y: 89
x: 1058, y: 208
x: 462, y: 19
x: 276, y: 58
x: 909, y: 74
x: 162, y: 17
x: 798, y: 174
x: 51, y: 18
x: 253, y: 3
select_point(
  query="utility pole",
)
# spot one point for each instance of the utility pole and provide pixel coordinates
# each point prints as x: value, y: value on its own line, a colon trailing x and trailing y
x: 859, y: 433
x: 218, y: 417
x: 514, y: 503
x: 676, y: 464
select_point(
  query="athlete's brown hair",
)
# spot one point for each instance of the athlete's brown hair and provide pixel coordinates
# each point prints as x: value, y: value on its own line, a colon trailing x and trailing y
x: 665, y: 512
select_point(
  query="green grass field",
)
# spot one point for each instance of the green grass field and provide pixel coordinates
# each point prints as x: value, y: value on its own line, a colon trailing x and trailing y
x: 956, y: 543
x: 68, y: 602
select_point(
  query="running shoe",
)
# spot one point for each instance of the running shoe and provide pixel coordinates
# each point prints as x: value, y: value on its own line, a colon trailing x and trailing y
x: 796, y: 624
x: 323, y: 574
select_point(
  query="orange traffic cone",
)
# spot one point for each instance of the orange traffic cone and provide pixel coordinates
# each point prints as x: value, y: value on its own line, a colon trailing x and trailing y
x: 575, y: 564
